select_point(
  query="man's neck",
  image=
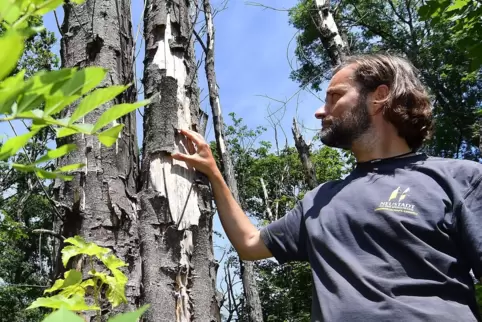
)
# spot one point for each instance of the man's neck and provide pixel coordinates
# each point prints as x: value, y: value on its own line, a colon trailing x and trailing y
x: 372, y: 147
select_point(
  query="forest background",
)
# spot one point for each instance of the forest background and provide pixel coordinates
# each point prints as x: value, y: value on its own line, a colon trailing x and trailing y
x: 272, y: 66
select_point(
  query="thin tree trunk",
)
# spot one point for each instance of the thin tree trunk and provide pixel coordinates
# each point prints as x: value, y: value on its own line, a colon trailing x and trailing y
x: 337, y: 50
x: 329, y: 34
x: 175, y: 213
x: 304, y: 154
x: 253, y: 302
x: 99, y: 204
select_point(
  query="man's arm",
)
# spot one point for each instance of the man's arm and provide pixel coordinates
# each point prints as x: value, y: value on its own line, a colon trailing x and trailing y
x: 244, y: 236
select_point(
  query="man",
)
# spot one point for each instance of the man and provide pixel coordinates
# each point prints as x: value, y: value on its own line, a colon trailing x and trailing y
x: 396, y: 239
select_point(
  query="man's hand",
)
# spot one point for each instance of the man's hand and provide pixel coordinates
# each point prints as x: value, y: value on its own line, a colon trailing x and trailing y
x: 244, y: 236
x: 200, y: 157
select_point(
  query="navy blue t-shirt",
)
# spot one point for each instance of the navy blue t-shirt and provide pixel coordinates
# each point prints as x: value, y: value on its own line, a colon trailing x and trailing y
x: 393, y: 241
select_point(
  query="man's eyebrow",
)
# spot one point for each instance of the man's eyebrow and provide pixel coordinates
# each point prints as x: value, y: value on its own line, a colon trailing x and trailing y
x: 330, y: 90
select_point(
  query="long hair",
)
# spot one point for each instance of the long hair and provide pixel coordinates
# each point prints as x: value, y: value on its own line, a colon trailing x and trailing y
x: 408, y: 105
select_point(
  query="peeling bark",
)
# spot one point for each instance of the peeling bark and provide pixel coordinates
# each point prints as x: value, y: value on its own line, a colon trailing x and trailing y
x: 175, y: 209
x: 253, y: 302
x: 329, y: 34
x: 304, y: 154
x: 99, y: 204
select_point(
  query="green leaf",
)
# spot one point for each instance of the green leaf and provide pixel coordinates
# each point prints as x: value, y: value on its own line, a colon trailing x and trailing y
x: 41, y: 86
x: 55, y: 104
x: 98, y: 97
x: 63, y: 132
x: 9, y: 89
x: 9, y: 11
x: 80, y: 246
x: 14, y: 144
x: 130, y: 316
x: 115, y: 287
x: 113, y: 262
x: 63, y: 315
x: 116, y: 291
x: 83, y: 81
x: 23, y: 167
x: 43, y: 174
x: 72, y: 277
x: 48, y: 6
x: 12, y: 44
x: 115, y: 112
x: 57, y: 153
x: 75, y: 303
x: 458, y: 4
x: 71, y: 167
x: 109, y: 136
x: 74, y: 129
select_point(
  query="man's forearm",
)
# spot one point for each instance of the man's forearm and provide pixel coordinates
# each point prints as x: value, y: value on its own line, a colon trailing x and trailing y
x: 239, y: 229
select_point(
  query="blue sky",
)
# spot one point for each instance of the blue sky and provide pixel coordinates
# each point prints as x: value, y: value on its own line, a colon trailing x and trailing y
x: 252, y: 53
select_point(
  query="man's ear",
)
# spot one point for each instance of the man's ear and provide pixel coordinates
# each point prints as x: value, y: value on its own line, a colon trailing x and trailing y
x: 380, y: 97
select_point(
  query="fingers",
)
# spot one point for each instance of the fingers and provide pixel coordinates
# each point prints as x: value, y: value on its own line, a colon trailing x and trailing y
x: 181, y: 157
x: 193, y: 136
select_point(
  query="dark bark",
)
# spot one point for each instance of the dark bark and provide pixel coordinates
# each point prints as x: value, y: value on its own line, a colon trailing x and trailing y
x: 99, y: 204
x: 178, y: 266
x: 304, y: 154
x: 253, y: 302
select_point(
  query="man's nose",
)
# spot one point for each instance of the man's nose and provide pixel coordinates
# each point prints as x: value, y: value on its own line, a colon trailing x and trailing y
x: 320, y: 112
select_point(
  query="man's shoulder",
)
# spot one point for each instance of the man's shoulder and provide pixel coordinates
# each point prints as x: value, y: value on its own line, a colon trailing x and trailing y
x: 458, y: 167
x: 465, y: 174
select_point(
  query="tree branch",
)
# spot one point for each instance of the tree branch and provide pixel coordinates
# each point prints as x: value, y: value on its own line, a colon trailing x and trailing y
x: 49, y: 232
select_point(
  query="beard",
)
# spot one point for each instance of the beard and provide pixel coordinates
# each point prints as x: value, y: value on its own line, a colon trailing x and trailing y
x: 343, y: 131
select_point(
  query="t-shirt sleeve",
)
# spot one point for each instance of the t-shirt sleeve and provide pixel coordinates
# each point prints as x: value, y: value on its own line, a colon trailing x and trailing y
x: 469, y: 226
x: 286, y: 237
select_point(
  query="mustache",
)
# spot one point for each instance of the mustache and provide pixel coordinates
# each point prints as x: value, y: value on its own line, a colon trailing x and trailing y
x: 327, y: 122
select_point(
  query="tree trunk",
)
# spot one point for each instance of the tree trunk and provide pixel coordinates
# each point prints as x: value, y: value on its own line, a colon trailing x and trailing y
x: 337, y: 50
x: 176, y: 212
x: 99, y: 203
x: 329, y: 34
x: 253, y: 302
x: 304, y: 154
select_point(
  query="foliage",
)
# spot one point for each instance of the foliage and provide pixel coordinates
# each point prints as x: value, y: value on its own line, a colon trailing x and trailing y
x: 463, y: 17
x: 396, y: 27
x: 70, y: 291
x: 46, y: 93
x: 32, y: 94
x: 285, y: 291
x: 27, y: 262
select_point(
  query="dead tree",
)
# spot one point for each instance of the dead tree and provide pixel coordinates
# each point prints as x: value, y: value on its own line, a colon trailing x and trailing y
x: 99, y: 203
x: 329, y: 35
x: 175, y: 202
x: 252, y: 300
x: 337, y: 49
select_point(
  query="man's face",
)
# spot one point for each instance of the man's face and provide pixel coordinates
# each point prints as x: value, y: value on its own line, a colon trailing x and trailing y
x: 345, y: 115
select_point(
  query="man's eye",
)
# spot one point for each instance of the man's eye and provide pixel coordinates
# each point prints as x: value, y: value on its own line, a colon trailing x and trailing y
x: 335, y: 97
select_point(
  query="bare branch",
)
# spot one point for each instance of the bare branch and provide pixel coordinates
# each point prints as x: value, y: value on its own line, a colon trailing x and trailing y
x: 47, y: 231
x: 199, y: 39
x: 257, y: 4
x: 52, y: 202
